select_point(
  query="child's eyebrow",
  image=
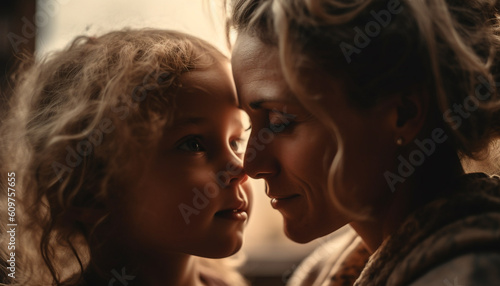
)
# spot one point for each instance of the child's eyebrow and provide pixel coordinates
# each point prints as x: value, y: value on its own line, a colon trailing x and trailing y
x: 190, y: 120
x: 200, y: 121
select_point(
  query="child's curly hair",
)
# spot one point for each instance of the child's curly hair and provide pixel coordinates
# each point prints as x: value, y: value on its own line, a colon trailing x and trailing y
x: 77, y: 121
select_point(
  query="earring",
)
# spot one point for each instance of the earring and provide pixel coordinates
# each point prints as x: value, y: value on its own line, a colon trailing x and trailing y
x: 399, y: 141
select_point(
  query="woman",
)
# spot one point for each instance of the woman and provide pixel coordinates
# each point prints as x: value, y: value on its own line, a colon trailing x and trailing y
x: 361, y: 113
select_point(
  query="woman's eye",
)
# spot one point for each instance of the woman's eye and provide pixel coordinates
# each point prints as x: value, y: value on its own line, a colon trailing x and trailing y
x: 192, y: 145
x: 279, y: 122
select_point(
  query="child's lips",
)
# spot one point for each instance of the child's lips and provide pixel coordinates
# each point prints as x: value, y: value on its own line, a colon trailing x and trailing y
x: 236, y: 212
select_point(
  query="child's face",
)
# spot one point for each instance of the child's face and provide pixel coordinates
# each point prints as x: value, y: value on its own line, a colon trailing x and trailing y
x: 194, y: 196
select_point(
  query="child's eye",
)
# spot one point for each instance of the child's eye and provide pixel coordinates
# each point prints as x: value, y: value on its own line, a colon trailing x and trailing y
x: 191, y: 145
x: 280, y: 122
x: 237, y: 146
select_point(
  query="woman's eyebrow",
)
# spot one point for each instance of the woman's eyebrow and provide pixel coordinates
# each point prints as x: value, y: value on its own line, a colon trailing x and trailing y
x: 256, y: 104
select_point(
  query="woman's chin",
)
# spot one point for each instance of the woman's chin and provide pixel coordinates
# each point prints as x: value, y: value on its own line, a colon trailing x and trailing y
x: 297, y: 234
x: 307, y: 233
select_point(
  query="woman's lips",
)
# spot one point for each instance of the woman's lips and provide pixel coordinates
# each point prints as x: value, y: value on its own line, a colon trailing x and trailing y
x: 281, y: 202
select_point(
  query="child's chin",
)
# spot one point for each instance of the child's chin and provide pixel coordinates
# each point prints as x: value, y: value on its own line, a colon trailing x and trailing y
x: 225, y: 250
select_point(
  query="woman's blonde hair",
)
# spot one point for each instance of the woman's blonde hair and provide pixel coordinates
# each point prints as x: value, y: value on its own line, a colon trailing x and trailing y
x: 446, y: 48
x: 79, y: 120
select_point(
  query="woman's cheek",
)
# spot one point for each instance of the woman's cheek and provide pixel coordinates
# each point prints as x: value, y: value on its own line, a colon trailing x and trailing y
x: 336, y: 182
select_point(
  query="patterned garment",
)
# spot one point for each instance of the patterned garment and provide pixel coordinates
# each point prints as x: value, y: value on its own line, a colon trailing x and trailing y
x: 349, y: 269
x: 452, y: 241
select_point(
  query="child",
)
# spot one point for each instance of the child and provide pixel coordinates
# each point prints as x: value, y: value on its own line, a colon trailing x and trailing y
x: 127, y: 151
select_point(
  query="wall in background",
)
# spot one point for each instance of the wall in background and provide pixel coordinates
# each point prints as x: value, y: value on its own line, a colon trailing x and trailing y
x: 18, y: 35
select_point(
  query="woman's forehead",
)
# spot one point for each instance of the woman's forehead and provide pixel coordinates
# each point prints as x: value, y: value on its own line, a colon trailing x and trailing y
x: 249, y: 52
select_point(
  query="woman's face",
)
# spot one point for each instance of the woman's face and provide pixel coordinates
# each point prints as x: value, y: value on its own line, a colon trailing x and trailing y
x: 292, y: 149
x: 288, y: 146
x: 193, y: 196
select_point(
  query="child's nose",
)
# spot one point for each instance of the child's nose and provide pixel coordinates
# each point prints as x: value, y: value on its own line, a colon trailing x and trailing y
x: 232, y: 169
x: 236, y: 173
x: 239, y: 179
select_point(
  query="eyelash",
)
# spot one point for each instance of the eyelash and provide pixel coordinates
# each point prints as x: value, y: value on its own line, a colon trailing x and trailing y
x: 236, y: 149
x: 183, y: 145
x: 281, y: 122
x: 236, y: 145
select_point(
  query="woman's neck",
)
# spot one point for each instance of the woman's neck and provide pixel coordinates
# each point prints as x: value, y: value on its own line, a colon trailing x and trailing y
x: 428, y: 182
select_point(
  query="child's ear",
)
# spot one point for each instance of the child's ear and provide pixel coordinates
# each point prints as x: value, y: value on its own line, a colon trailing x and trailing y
x: 408, y: 116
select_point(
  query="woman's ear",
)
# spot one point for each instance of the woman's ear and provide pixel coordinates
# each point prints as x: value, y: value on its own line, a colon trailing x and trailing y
x: 409, y: 115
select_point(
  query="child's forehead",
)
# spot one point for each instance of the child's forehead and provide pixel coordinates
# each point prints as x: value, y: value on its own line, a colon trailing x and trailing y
x: 212, y: 93
x: 234, y: 117
x: 207, y: 89
x: 198, y: 100
x: 210, y: 68
x: 207, y: 117
x: 214, y: 81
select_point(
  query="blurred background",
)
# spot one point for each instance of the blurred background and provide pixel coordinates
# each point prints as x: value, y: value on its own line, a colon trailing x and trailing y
x: 39, y: 27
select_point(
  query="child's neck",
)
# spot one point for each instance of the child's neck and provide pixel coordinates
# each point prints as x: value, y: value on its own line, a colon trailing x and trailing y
x: 178, y: 270
x: 173, y: 269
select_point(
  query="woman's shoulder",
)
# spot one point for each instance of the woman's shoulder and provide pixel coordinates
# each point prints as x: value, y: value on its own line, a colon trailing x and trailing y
x: 479, y: 269
x: 463, y: 224
x: 468, y: 249
x: 464, y: 239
